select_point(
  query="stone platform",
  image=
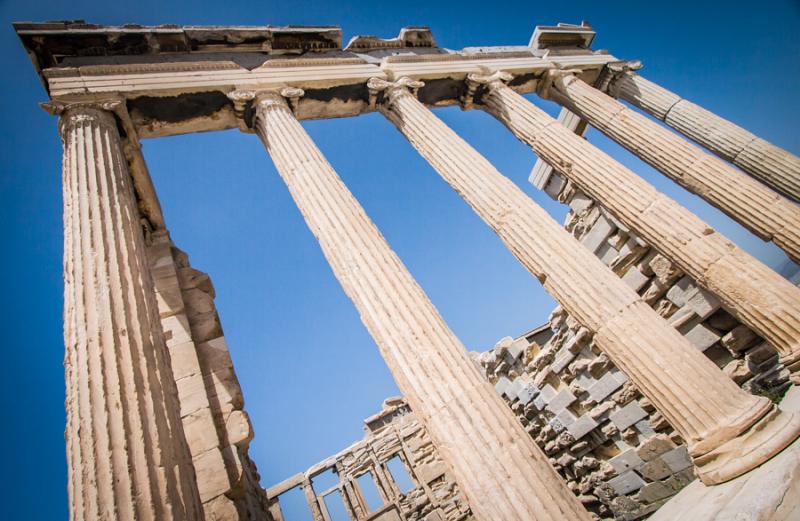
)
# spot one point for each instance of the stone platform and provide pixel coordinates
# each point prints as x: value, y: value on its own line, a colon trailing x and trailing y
x: 769, y: 493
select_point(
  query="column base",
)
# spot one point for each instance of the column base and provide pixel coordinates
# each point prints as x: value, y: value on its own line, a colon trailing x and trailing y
x: 771, y: 433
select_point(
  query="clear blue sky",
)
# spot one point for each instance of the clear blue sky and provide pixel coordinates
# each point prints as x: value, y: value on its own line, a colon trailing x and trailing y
x: 309, y: 370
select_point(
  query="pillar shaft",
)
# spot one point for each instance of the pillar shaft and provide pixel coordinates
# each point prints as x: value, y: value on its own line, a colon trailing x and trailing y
x: 127, y: 455
x: 755, y: 294
x: 771, y: 164
x: 503, y: 473
x: 718, y: 419
x: 746, y: 200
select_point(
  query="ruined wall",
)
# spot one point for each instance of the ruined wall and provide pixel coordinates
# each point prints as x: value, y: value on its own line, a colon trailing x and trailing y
x: 217, y: 428
x: 395, y: 432
x: 617, y: 453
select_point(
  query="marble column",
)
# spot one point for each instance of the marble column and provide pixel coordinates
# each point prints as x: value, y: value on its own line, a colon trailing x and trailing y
x: 751, y: 291
x: 126, y: 452
x: 721, y: 423
x: 771, y: 164
x: 496, y: 463
x: 746, y: 200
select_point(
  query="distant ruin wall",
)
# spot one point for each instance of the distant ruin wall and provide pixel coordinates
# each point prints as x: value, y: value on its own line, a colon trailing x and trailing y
x: 395, y: 432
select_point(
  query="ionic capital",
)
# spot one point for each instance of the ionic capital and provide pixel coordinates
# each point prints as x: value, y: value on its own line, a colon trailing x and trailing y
x: 247, y: 101
x: 391, y: 89
x: 487, y: 79
x: 612, y: 72
x: 554, y: 77
x: 73, y: 112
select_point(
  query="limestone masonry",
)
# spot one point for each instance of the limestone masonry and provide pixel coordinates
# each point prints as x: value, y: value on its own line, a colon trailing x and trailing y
x: 664, y: 383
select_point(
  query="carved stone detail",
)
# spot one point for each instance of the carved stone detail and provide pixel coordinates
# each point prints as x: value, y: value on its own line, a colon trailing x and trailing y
x: 756, y: 295
x: 761, y: 159
x: 718, y: 419
x: 495, y: 462
x: 746, y: 200
x: 127, y: 455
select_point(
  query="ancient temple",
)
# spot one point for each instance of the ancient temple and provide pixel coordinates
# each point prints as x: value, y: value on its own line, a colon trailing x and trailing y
x: 654, y: 387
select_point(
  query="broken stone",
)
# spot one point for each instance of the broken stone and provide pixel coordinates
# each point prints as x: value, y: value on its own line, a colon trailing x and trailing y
x: 677, y: 459
x: 627, y: 416
x: 604, y: 387
x: 597, y: 235
x: 653, y: 492
x: 626, y: 483
x: 655, y: 470
x: 701, y: 337
x: 739, y: 339
x: 582, y: 426
x: 635, y: 279
x: 560, y: 401
x: 626, y: 461
x: 654, y: 447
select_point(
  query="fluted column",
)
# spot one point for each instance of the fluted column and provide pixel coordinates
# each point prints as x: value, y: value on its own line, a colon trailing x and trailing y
x: 773, y: 165
x: 497, y: 465
x: 746, y: 200
x: 755, y: 294
x: 126, y: 452
x: 720, y: 422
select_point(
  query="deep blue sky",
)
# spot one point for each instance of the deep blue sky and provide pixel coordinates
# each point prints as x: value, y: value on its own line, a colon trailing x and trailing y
x: 308, y: 368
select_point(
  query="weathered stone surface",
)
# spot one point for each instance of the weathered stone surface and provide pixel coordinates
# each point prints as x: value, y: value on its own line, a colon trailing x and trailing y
x: 627, y: 482
x: 739, y: 339
x: 440, y: 384
x: 606, y: 385
x: 628, y: 415
x: 582, y: 426
x: 755, y: 294
x: 626, y: 460
x: 768, y: 493
x: 560, y: 401
x: 654, y: 447
x: 677, y: 459
x: 701, y: 337
x: 605, y: 306
x: 765, y: 161
x: 123, y: 423
x: 751, y: 203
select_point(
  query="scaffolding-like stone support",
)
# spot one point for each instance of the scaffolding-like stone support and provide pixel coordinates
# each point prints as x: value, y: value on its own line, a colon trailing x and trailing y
x: 126, y: 451
x: 729, y: 430
x: 497, y: 465
x: 755, y: 206
x: 756, y: 295
x: 773, y: 165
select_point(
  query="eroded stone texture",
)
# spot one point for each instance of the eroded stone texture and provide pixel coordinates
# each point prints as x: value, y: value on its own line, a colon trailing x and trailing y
x: 693, y: 311
x: 496, y: 465
x: 761, y: 159
x: 748, y: 201
x: 127, y: 454
x: 395, y: 432
x: 218, y: 430
x: 756, y: 295
x: 716, y: 417
x: 559, y: 356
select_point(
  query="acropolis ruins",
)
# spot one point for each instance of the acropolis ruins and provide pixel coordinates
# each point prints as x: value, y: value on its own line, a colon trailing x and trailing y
x: 664, y: 384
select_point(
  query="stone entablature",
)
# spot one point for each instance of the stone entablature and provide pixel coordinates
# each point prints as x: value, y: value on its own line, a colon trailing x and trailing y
x: 156, y: 426
x: 167, y: 95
